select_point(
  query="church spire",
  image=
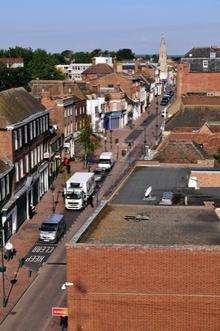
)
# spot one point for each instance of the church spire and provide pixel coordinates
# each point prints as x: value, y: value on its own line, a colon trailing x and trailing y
x: 163, y: 56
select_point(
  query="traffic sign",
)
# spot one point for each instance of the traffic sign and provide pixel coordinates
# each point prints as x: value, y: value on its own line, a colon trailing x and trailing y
x: 59, y: 311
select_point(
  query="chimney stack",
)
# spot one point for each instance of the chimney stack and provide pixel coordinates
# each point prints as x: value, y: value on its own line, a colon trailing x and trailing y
x: 115, y: 65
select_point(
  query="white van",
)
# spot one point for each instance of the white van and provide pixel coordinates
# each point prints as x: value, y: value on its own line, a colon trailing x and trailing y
x: 106, y: 161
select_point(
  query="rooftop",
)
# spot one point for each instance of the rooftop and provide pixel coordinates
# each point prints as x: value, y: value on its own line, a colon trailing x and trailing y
x: 165, y: 179
x: 193, y: 118
x: 177, y: 151
x: 100, y: 68
x: 200, y: 100
x: 17, y: 104
x: 154, y: 226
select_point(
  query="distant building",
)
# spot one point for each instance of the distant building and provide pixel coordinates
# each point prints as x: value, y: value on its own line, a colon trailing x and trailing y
x: 12, y: 62
x: 73, y: 71
x: 199, y: 72
x: 96, y: 71
x: 103, y: 59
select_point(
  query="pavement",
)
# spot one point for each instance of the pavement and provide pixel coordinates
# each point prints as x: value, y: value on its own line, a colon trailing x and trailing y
x: 37, y: 291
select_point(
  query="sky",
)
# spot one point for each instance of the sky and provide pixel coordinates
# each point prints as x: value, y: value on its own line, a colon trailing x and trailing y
x: 56, y: 25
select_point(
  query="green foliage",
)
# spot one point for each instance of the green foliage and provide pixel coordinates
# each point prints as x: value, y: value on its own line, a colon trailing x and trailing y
x: 10, y: 78
x: 89, y: 142
x: 82, y: 57
x: 42, y: 66
x: 217, y: 157
x: 125, y: 54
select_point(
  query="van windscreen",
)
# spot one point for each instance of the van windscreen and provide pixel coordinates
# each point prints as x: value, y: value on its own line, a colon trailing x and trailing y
x: 104, y: 161
x: 48, y: 227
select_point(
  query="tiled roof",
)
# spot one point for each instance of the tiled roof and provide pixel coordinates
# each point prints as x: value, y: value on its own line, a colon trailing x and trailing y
x: 214, y: 126
x: 17, y: 104
x: 202, y: 52
x: 193, y: 118
x: 198, y: 100
x: 11, y: 60
x: 176, y: 151
x: 100, y: 68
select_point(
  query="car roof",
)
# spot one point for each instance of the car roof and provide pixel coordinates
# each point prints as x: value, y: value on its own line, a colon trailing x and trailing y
x: 55, y: 218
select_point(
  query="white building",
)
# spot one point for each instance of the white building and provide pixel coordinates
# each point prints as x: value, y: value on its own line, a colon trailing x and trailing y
x: 103, y: 59
x: 95, y: 107
x: 73, y: 71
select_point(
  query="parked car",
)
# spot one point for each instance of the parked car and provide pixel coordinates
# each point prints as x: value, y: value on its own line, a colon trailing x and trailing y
x: 99, y: 174
x: 52, y: 229
x: 164, y: 101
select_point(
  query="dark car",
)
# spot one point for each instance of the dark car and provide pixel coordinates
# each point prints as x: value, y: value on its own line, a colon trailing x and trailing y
x: 99, y: 174
x: 164, y: 101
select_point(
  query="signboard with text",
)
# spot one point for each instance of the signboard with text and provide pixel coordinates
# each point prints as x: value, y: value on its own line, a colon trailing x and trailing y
x: 59, y: 311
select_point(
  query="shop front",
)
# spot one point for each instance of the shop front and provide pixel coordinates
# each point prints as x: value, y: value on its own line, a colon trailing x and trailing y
x: 114, y: 120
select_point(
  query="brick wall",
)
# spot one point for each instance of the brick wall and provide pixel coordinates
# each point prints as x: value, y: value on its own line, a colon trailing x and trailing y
x: 196, y: 82
x: 142, y: 288
x: 6, y: 148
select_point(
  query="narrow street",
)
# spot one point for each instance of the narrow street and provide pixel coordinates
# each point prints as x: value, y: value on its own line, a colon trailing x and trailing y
x: 33, y: 310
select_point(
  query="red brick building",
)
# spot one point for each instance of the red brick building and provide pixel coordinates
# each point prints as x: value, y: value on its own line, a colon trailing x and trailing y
x: 138, y: 266
x: 199, y: 72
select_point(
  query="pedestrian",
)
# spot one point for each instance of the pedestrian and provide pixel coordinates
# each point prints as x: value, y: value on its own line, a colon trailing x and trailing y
x: 68, y: 168
x: 63, y: 322
x: 90, y: 200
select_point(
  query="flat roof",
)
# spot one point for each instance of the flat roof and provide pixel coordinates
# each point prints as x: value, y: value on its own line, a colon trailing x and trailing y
x: 163, y: 179
x: 155, y: 225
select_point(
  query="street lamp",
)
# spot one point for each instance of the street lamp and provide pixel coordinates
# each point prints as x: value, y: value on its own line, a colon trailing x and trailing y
x: 3, y: 269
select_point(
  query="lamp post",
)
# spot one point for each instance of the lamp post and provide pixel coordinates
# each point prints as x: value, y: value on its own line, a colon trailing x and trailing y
x: 111, y: 138
x: 3, y: 269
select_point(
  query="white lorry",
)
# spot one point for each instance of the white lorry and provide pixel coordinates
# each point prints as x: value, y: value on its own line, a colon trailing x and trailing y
x: 106, y: 161
x: 78, y: 189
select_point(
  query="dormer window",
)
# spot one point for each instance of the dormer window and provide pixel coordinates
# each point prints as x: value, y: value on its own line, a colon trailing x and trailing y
x: 212, y: 55
x: 205, y: 64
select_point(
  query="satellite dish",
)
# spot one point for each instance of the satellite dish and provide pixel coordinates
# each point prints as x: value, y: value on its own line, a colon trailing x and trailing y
x: 148, y: 192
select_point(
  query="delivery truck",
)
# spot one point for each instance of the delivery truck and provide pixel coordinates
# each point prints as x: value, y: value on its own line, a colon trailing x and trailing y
x: 78, y: 189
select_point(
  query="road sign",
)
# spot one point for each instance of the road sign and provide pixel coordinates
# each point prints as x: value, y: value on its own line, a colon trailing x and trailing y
x: 59, y: 311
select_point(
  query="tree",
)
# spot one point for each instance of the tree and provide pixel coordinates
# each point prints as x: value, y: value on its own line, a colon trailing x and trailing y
x: 13, y: 77
x: 125, y: 54
x: 89, y: 143
x: 82, y: 57
x: 42, y: 66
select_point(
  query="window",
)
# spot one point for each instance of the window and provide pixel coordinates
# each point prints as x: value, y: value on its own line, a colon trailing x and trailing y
x: 38, y: 154
x: 31, y: 130
x: 21, y: 168
x: 205, y: 64
x: 27, y: 163
x: 20, y: 137
x: 35, y: 133
x: 32, y: 159
x: 41, y: 125
x: 44, y: 124
x: 16, y: 171
x: 47, y: 123
x: 15, y: 134
x: 35, y: 156
x: 25, y: 134
x: 41, y: 152
x: 7, y: 185
x: 3, y: 188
